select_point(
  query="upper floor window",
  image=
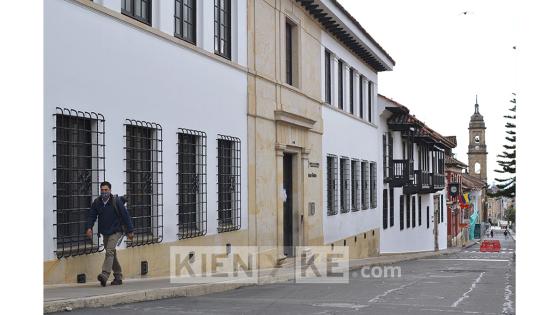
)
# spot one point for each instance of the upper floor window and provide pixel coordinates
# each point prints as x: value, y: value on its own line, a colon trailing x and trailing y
x: 185, y: 20
x: 79, y: 168
x: 361, y: 94
x: 340, y: 84
x: 328, y: 77
x: 222, y: 28
x: 140, y: 10
x: 351, y: 90
x: 370, y: 101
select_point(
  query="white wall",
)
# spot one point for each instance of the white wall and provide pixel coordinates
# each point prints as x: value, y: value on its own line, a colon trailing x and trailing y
x: 94, y: 62
x: 349, y: 137
x: 412, y: 239
x: 340, y: 52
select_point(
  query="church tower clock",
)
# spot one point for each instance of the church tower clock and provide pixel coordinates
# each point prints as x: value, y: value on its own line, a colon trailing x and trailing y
x: 477, y: 145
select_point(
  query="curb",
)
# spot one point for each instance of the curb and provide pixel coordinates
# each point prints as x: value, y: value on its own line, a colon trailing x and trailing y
x: 194, y: 290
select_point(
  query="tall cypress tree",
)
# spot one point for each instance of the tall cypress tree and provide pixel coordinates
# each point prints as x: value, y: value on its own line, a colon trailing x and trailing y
x: 506, y: 160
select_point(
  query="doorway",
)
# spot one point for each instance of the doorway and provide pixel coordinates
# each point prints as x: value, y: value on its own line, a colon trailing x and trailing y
x: 288, y: 206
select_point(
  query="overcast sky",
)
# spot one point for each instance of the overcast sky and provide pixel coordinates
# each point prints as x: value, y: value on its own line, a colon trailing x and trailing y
x: 444, y: 58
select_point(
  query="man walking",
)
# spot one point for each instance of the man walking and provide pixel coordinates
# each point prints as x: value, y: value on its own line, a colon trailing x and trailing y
x: 113, y: 222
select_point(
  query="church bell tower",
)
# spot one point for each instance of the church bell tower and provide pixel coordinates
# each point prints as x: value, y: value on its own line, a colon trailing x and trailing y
x: 477, y: 145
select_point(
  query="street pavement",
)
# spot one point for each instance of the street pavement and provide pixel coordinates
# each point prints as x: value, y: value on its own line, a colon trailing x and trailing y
x: 468, y: 282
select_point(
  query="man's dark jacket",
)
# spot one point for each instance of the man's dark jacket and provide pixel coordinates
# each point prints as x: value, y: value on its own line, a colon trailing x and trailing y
x: 109, y: 222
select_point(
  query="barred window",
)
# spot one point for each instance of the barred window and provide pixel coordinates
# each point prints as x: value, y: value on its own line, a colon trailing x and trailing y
x: 419, y: 210
x: 344, y: 185
x: 140, y: 10
x: 144, y: 184
x: 222, y: 28
x: 332, y: 185
x: 441, y: 208
x: 229, y: 183
x: 385, y: 209
x: 407, y: 211
x: 392, y: 207
x: 401, y: 212
x: 185, y: 20
x: 373, y: 184
x: 365, y: 185
x: 413, y: 211
x: 355, y: 185
x: 79, y: 169
x: 191, y: 176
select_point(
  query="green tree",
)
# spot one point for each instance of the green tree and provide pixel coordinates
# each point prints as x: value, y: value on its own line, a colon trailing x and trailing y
x: 510, y: 214
x: 506, y: 160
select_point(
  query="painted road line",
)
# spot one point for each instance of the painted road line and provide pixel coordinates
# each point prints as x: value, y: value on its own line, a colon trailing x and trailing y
x: 466, y: 294
x: 379, y: 296
x: 466, y: 259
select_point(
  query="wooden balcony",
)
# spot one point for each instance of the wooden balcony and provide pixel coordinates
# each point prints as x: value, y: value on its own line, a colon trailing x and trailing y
x: 439, y: 181
x: 400, y: 173
x: 421, y: 183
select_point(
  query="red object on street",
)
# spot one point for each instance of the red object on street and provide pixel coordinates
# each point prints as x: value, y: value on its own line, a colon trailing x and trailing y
x: 490, y: 246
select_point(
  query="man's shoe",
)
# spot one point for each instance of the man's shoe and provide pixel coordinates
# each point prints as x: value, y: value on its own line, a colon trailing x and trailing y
x: 116, y: 282
x: 102, y: 279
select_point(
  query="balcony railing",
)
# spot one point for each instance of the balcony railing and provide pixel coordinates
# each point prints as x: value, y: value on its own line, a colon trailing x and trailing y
x: 439, y: 181
x: 399, y: 172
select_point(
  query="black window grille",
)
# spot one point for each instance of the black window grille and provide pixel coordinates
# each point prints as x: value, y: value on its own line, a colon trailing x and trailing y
x: 144, y: 182
x: 289, y: 54
x: 413, y: 211
x: 79, y: 169
x: 229, y: 183
x: 328, y: 77
x: 351, y: 91
x: 332, y: 185
x: 391, y: 207
x: 441, y: 208
x: 340, y: 84
x: 401, y: 212
x: 140, y: 10
x: 407, y: 211
x: 373, y: 184
x: 365, y: 185
x: 385, y: 209
x: 370, y: 101
x: 185, y: 20
x: 344, y: 185
x: 361, y: 94
x: 428, y: 217
x: 355, y: 185
x: 191, y: 183
x: 419, y: 210
x: 222, y: 28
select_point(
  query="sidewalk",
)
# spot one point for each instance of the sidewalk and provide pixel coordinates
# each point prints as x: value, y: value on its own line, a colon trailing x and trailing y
x: 60, y: 297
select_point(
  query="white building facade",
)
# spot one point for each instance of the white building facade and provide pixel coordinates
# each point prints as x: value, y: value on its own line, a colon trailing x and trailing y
x: 152, y: 97
x: 351, y: 141
x: 413, y: 215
